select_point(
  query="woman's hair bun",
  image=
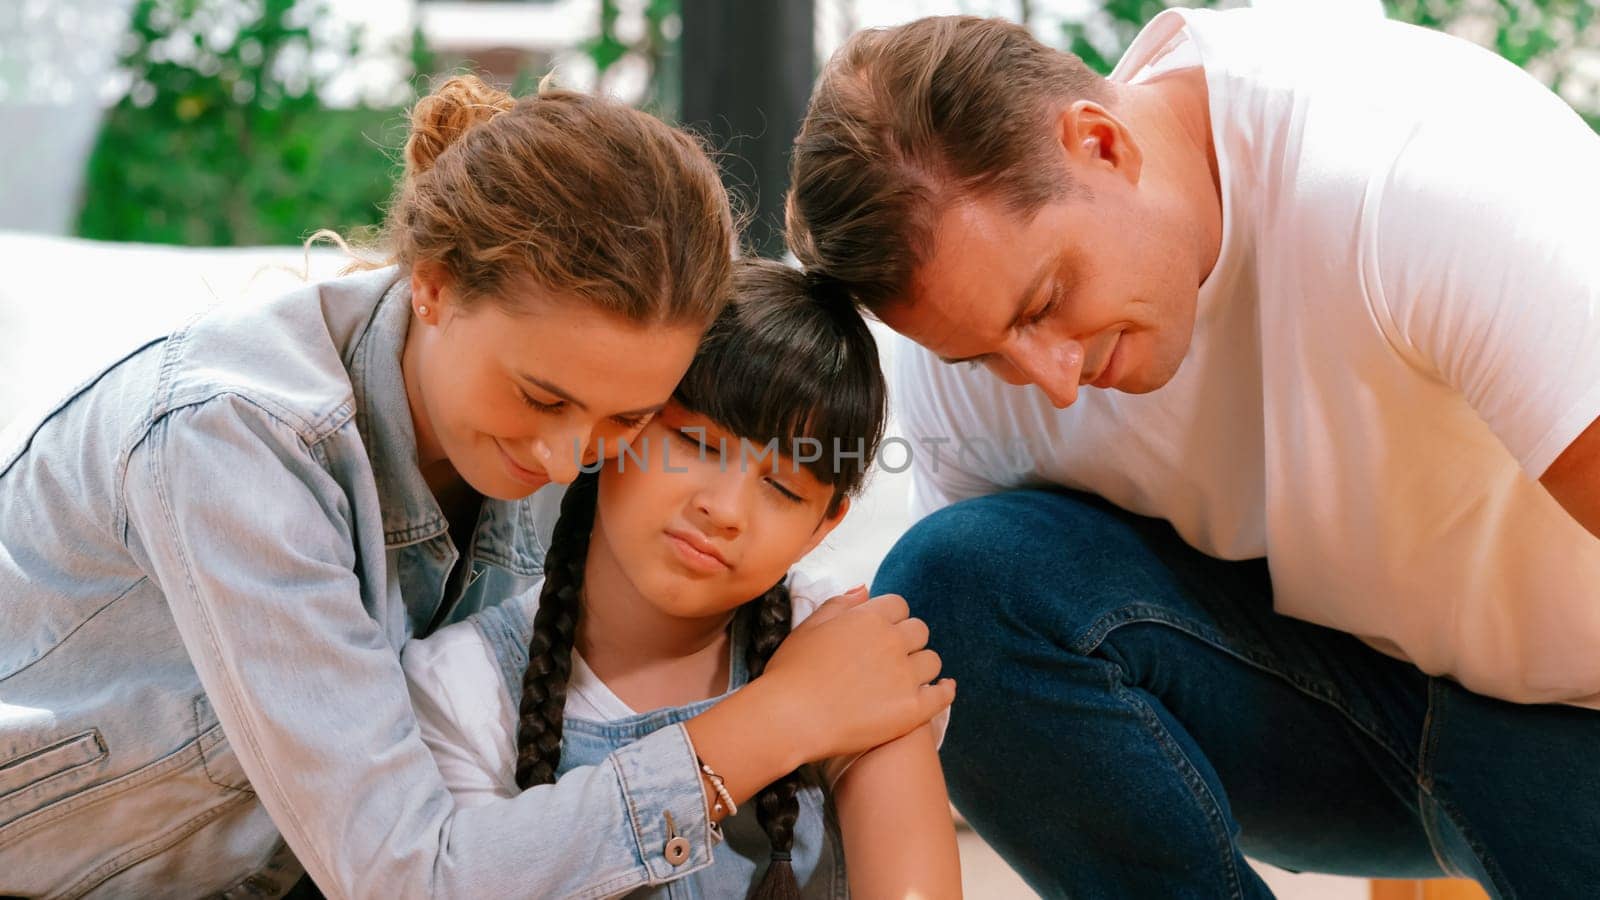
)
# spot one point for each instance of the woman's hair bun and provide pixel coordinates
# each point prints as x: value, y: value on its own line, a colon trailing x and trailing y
x: 441, y: 118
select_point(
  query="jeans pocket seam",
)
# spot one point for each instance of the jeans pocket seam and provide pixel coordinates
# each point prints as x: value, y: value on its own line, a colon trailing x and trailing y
x: 1129, y: 615
x: 1427, y: 787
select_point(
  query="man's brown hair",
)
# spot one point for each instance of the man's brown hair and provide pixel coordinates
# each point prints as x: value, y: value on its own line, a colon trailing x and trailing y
x: 906, y: 120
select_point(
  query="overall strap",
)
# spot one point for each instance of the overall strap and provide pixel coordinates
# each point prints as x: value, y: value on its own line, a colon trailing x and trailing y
x: 506, y: 629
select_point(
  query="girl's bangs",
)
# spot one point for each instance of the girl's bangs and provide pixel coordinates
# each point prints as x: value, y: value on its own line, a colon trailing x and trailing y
x: 778, y: 366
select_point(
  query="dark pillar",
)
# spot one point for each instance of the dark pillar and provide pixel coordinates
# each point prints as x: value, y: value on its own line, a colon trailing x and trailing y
x: 747, y: 73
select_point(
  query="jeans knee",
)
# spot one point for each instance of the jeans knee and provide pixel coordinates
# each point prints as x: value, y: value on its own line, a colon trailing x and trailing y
x: 947, y: 563
x: 1014, y: 555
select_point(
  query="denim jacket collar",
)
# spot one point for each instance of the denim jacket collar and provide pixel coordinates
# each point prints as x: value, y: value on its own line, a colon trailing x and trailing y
x: 506, y: 535
x: 383, y: 413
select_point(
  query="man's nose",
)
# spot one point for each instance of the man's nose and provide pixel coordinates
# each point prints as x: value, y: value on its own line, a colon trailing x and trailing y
x: 1053, y: 366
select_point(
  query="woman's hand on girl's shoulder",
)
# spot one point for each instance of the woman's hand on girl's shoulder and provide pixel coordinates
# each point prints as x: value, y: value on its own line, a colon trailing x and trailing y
x: 856, y: 674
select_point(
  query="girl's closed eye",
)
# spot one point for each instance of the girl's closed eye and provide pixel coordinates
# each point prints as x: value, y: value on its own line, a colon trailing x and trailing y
x: 695, y: 439
x: 782, y: 491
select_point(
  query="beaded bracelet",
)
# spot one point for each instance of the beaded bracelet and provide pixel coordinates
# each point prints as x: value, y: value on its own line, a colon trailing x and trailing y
x: 724, y: 799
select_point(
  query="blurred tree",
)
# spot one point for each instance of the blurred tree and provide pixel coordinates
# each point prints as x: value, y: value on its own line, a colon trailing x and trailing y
x: 645, y: 33
x: 222, y: 136
x: 1551, y: 39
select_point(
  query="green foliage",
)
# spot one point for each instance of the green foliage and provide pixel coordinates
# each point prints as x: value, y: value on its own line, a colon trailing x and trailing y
x: 656, y: 48
x: 222, y: 137
x: 1541, y: 36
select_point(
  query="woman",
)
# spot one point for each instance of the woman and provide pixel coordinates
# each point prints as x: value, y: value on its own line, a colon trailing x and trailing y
x: 214, y: 550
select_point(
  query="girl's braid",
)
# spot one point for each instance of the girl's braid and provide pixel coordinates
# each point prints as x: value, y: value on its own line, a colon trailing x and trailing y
x: 777, y: 806
x: 555, y: 626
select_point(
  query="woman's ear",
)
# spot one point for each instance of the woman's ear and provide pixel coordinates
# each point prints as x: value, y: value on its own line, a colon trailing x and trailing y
x: 429, y: 288
x: 828, y: 523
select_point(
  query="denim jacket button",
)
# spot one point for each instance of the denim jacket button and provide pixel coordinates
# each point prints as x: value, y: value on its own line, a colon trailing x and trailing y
x: 677, y: 851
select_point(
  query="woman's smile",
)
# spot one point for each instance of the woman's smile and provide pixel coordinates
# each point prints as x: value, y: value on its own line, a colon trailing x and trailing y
x: 533, y: 477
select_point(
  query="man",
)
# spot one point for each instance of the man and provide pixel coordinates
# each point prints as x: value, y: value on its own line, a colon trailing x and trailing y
x: 1325, y: 298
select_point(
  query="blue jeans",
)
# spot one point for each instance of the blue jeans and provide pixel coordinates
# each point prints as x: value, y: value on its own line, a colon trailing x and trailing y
x: 1132, y: 718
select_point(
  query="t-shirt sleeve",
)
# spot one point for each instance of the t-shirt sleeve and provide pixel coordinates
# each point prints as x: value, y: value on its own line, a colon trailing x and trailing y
x: 807, y: 591
x: 462, y: 712
x: 1488, y: 272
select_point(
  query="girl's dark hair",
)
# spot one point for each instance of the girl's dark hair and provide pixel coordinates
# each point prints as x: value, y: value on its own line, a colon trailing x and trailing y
x: 789, y: 358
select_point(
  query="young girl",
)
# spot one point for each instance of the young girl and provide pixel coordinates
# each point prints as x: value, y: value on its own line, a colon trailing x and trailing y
x: 667, y: 587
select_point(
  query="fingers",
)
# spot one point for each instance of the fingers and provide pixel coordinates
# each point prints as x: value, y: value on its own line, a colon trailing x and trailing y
x: 925, y: 666
x: 913, y: 634
x: 835, y: 605
x: 933, y: 699
x: 853, y: 597
x: 891, y: 607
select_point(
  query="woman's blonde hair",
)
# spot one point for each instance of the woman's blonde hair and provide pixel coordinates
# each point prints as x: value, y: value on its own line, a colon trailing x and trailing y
x: 584, y: 196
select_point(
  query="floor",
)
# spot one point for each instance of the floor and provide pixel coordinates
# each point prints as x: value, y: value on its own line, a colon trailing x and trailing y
x: 985, y: 876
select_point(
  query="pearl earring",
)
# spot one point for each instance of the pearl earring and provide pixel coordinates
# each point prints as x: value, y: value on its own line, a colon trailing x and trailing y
x: 422, y: 310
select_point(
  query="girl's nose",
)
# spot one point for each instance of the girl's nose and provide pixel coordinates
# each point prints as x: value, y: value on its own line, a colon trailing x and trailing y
x: 720, y: 500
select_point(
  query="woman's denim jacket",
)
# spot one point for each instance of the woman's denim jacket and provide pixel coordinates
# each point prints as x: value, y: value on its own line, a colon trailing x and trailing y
x: 210, y: 556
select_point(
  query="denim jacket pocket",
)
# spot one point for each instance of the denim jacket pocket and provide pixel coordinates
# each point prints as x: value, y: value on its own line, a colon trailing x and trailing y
x: 221, y: 764
x: 194, y: 793
x: 39, y: 777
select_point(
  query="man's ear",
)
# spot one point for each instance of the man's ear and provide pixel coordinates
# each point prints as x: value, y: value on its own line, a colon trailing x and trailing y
x: 1093, y: 139
x: 827, y: 525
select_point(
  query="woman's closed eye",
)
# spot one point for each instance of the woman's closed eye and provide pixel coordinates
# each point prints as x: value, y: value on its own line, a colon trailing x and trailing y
x: 539, y: 405
x: 630, y: 423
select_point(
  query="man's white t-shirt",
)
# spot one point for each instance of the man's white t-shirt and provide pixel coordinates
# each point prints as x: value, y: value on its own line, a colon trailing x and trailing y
x: 469, y: 720
x: 1401, y: 333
